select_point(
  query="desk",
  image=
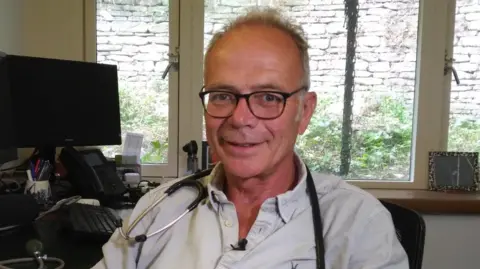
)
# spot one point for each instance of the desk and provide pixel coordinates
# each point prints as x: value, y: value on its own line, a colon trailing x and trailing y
x: 56, y: 243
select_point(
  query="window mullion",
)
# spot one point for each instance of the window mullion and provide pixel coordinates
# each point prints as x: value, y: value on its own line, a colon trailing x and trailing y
x: 429, y: 94
x: 191, y: 70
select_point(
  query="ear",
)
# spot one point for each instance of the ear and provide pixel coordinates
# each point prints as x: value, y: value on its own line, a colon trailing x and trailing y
x: 309, y: 105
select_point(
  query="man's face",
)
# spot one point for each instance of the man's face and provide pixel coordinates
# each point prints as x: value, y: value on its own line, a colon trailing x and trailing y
x: 249, y: 59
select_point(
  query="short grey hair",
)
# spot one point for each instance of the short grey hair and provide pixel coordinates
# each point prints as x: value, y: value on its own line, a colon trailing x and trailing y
x: 274, y: 18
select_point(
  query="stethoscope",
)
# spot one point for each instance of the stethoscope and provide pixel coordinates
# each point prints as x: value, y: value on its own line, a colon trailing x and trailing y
x: 193, y: 182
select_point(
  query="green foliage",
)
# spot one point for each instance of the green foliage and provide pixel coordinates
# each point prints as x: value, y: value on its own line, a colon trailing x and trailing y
x: 381, y: 142
x: 157, y: 153
x: 145, y: 112
x: 464, y: 135
x: 321, y: 143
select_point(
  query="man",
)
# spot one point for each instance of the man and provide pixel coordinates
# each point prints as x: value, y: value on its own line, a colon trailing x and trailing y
x: 257, y: 101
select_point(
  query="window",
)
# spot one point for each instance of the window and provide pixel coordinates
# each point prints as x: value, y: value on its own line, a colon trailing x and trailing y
x: 464, y: 117
x: 404, y: 105
x: 398, y: 85
x: 143, y: 41
x: 374, y: 142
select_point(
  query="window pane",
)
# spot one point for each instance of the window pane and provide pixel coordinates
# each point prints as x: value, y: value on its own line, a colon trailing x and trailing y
x: 464, y: 131
x: 384, y: 78
x: 135, y: 37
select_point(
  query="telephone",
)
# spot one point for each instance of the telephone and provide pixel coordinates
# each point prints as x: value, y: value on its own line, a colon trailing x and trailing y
x: 92, y: 176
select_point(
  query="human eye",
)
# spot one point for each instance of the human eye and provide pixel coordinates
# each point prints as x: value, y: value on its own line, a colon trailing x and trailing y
x: 268, y: 98
x: 220, y: 97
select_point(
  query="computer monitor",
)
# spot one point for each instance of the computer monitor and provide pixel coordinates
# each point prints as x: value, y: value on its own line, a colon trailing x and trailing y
x: 6, y: 123
x: 58, y: 103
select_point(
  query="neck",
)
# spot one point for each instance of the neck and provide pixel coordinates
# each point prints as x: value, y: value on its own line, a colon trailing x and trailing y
x: 252, y: 192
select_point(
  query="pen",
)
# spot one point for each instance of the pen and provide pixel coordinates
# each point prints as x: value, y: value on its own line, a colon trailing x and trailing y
x: 42, y: 164
x: 37, y: 166
x: 40, y: 174
x: 32, y: 170
x: 45, y: 171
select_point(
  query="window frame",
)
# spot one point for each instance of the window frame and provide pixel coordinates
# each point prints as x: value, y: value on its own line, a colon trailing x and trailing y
x: 432, y: 88
x: 430, y: 130
x: 431, y: 105
x: 449, y: 53
x: 179, y: 129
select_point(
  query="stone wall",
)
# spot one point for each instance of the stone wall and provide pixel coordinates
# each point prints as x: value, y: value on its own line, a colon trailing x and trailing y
x: 134, y: 35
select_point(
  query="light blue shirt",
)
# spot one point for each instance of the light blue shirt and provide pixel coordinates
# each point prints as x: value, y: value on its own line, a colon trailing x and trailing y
x: 358, y: 231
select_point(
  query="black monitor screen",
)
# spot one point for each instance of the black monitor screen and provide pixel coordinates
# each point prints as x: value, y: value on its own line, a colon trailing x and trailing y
x: 63, y: 103
x: 6, y: 127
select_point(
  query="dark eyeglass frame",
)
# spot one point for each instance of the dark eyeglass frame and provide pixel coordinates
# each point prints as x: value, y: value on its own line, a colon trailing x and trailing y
x: 238, y: 96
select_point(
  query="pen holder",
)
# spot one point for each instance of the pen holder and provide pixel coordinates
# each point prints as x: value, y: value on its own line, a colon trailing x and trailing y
x: 40, y: 190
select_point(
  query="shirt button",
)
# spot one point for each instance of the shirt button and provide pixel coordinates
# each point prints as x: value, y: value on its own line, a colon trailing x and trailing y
x: 228, y: 223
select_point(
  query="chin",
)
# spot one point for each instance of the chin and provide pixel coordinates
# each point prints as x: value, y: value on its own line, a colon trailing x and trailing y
x: 244, y: 168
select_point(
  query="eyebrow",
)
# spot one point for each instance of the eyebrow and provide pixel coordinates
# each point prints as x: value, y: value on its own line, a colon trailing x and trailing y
x: 220, y: 87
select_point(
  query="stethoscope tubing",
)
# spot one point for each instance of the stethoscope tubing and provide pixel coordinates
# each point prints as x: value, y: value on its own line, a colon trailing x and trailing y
x: 317, y: 221
x: 192, y: 181
x: 188, y: 181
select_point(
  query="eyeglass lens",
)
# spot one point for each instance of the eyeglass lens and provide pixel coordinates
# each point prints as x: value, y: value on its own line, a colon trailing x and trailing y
x: 261, y: 104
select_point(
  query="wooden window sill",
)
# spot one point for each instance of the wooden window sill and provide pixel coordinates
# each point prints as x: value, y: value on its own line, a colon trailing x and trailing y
x: 431, y: 202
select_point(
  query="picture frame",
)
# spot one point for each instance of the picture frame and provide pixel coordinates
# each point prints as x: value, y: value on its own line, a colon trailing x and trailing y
x: 453, y: 171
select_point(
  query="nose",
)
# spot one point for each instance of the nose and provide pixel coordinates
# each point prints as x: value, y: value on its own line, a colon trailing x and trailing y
x: 242, y: 116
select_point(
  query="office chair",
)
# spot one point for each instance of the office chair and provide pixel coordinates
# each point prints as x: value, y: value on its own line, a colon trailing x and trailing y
x: 410, y: 228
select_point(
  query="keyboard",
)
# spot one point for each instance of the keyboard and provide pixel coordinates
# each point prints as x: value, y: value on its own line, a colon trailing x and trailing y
x: 92, y: 222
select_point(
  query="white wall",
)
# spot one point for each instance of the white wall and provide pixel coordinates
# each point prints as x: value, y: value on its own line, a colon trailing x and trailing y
x: 452, y: 242
x: 46, y: 28
x: 53, y: 29
x: 10, y: 23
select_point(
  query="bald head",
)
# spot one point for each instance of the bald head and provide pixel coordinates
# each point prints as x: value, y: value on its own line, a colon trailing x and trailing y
x: 252, y: 50
x: 266, y: 24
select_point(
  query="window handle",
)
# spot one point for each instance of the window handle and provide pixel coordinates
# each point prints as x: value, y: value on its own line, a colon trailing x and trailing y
x: 449, y: 67
x: 455, y: 75
x: 172, y: 63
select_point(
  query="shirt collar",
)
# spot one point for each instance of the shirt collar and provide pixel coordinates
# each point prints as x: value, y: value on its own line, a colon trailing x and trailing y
x: 289, y: 204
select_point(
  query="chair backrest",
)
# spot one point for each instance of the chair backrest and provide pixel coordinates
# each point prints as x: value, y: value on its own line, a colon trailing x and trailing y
x: 410, y: 228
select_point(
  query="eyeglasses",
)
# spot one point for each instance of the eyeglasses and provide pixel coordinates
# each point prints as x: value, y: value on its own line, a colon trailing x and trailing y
x: 266, y: 105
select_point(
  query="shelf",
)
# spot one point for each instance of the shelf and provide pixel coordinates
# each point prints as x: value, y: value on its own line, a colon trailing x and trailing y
x: 431, y: 202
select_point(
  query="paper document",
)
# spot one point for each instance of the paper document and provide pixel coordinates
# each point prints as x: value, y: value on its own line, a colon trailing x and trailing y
x: 133, y: 145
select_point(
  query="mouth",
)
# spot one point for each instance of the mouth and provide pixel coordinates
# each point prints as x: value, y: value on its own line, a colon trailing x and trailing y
x: 242, y: 145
